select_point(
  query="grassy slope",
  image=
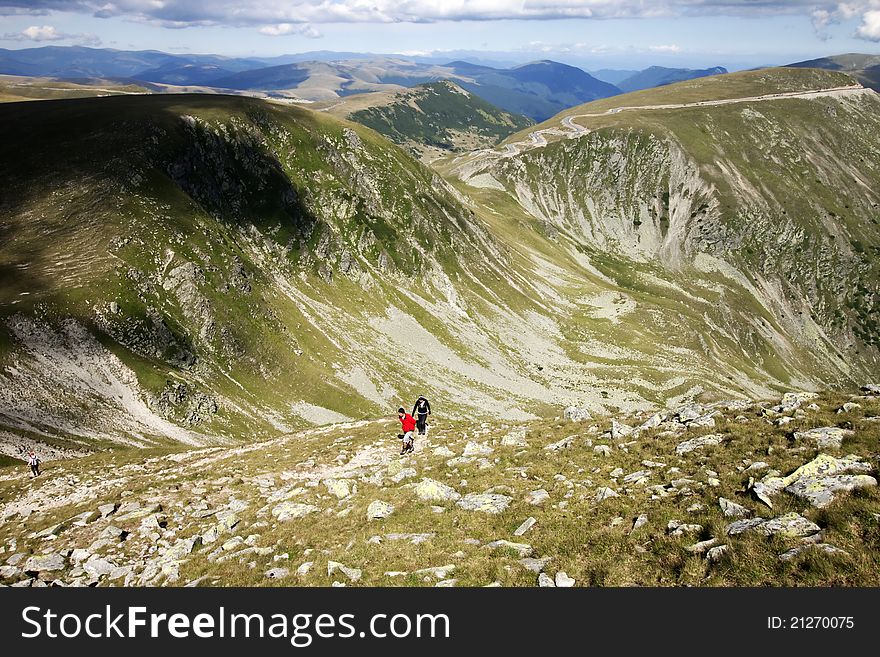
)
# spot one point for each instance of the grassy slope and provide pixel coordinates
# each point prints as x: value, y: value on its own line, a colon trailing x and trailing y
x: 591, y: 541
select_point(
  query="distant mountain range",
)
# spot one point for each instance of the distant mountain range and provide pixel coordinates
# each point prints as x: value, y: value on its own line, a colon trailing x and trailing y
x: 537, y: 90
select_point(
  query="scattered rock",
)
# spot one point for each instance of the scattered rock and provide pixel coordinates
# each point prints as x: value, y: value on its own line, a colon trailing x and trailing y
x: 824, y: 437
x: 604, y: 450
x: 535, y: 565
x: 702, y: 546
x: 565, y: 443
x: 544, y: 581
x: 677, y: 528
x: 604, y: 493
x: 698, y: 443
x: 484, y: 502
x: 292, y: 510
x: 527, y: 524
x: 43, y: 563
x: 379, y: 509
x: 477, y: 449
x: 715, y: 554
x: 733, y: 510
x: 537, y: 497
x: 800, y: 549
x: 562, y: 580
x: 353, y: 574
x: 640, y: 522
x: 575, y: 414
x: 790, y: 525
x: 429, y: 490
x: 338, y: 488
x: 277, y: 573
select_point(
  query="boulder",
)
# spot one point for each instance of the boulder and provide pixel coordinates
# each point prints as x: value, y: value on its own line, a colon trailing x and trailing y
x: 277, y: 573
x: 515, y: 438
x: 379, y: 509
x: 537, y: 497
x: 477, y: 449
x: 484, y: 502
x: 790, y: 525
x: 823, y: 437
x: 733, y: 510
x: 619, y: 431
x: 823, y: 547
x: 292, y: 510
x: 43, y: 563
x: 562, y: 580
x: 575, y: 414
x: 604, y: 493
x: 715, y: 554
x: 698, y: 443
x: 545, y: 581
x: 429, y: 490
x: 339, y: 488
x: 565, y: 443
x: 353, y: 574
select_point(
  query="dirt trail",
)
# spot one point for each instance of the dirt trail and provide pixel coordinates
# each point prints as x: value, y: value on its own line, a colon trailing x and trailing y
x: 571, y: 130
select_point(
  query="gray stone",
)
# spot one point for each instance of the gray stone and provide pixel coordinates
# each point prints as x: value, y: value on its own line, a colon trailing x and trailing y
x: 477, y: 449
x: 98, y: 567
x: 484, y: 502
x: 339, y: 488
x: 702, y: 546
x: 527, y: 524
x: 733, y: 510
x: 619, y: 431
x: 820, y: 491
x: 536, y: 565
x: 353, y: 574
x: 741, y: 526
x: 537, y: 497
x: 824, y: 437
x: 575, y: 414
x: 429, y: 490
x: 304, y: 568
x: 565, y: 443
x: 698, y: 443
x: 823, y: 547
x: 604, y: 450
x: 636, y: 477
x: 640, y: 522
x: 291, y: 510
x: 440, y: 572
x: 277, y: 573
x: 43, y: 563
x: 790, y: 525
x: 379, y: 509
x: 604, y: 493
x: 545, y: 581
x: 562, y: 580
x: 677, y: 528
x: 715, y: 554
x: 515, y: 438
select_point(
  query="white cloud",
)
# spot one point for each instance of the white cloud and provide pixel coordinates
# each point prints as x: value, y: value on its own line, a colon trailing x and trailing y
x: 870, y: 27
x: 44, y: 33
x: 287, y: 29
x: 289, y: 17
x: 668, y: 48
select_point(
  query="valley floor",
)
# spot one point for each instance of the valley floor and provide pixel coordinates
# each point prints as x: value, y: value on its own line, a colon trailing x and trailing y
x: 674, y: 498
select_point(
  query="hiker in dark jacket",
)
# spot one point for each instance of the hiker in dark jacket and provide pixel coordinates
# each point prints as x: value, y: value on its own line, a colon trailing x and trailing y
x: 34, y: 462
x: 421, y: 411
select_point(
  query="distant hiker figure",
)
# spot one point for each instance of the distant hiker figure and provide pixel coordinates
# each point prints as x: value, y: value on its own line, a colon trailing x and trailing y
x: 408, y: 423
x: 34, y: 462
x: 421, y: 411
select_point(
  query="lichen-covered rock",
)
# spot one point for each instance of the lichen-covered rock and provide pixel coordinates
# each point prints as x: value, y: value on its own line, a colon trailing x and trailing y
x: 822, y: 547
x: 44, y: 562
x: 733, y: 510
x: 292, y: 510
x: 477, y: 449
x: 484, y: 502
x: 537, y: 497
x: 820, y: 491
x: 790, y: 525
x: 619, y: 430
x: 430, y: 490
x: 515, y: 438
x: 824, y: 437
x: 604, y: 493
x: 339, y: 488
x: 379, y: 509
x: 698, y: 443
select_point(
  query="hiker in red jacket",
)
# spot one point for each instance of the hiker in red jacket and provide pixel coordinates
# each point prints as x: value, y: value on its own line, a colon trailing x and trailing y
x: 408, y: 422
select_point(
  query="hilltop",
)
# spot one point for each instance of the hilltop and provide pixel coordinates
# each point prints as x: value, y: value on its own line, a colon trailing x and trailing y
x: 864, y: 68
x: 430, y: 119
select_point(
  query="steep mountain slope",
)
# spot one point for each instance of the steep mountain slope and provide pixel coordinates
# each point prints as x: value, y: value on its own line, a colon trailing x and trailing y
x: 204, y: 268
x: 430, y: 119
x: 752, y: 209
x: 864, y: 68
x: 209, y: 268
x: 656, y: 76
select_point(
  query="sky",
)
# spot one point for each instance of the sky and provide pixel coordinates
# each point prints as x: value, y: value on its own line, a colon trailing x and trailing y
x: 589, y: 33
